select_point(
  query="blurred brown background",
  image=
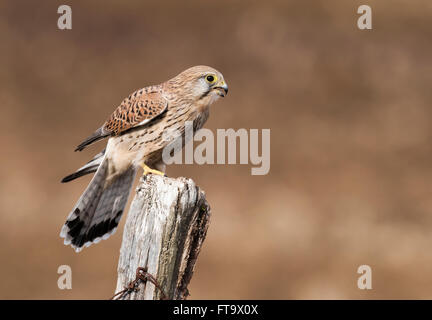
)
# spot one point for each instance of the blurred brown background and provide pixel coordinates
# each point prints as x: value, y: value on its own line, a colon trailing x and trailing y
x: 350, y: 119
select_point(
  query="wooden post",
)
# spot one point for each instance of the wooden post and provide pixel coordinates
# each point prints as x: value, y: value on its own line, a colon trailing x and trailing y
x: 165, y: 228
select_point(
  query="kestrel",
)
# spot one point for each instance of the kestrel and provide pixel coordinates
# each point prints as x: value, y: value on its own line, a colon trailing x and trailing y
x: 135, y: 138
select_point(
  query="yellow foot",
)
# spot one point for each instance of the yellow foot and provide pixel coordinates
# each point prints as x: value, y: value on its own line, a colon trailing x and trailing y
x: 148, y: 170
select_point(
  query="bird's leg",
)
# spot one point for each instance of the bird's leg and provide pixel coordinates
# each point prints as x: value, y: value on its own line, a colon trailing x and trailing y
x: 148, y: 170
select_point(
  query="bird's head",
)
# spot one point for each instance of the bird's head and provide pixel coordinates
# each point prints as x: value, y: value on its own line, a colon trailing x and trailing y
x: 200, y: 83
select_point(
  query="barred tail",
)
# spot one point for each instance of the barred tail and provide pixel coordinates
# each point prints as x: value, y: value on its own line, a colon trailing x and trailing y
x: 98, y: 211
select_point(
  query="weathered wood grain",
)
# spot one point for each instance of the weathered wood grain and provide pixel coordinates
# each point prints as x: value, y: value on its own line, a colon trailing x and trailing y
x: 164, y: 231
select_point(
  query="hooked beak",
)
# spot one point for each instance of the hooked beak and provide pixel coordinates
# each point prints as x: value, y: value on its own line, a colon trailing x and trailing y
x: 222, y: 88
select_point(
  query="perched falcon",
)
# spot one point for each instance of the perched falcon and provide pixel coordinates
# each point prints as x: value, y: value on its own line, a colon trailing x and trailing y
x: 135, y: 138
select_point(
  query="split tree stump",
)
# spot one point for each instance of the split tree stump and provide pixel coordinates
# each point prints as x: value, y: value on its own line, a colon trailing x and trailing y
x: 165, y: 229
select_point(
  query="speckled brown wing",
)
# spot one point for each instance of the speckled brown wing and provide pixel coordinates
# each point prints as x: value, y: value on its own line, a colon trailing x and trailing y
x: 136, y: 110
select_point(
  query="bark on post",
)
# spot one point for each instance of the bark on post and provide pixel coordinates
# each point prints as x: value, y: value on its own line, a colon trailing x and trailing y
x: 165, y: 228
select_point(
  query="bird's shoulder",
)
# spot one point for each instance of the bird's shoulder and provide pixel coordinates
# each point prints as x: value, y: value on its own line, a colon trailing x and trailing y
x: 139, y: 108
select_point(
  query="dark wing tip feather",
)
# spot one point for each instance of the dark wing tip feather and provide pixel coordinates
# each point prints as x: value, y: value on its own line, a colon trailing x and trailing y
x: 80, y: 173
x: 97, y: 135
x: 68, y: 178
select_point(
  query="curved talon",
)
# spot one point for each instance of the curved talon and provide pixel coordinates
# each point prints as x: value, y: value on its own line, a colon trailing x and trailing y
x: 148, y: 170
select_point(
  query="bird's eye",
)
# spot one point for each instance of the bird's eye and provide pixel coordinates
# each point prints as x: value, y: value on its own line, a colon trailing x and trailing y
x: 210, y: 78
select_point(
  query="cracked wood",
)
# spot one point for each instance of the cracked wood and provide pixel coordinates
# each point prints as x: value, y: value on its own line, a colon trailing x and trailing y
x: 164, y: 231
